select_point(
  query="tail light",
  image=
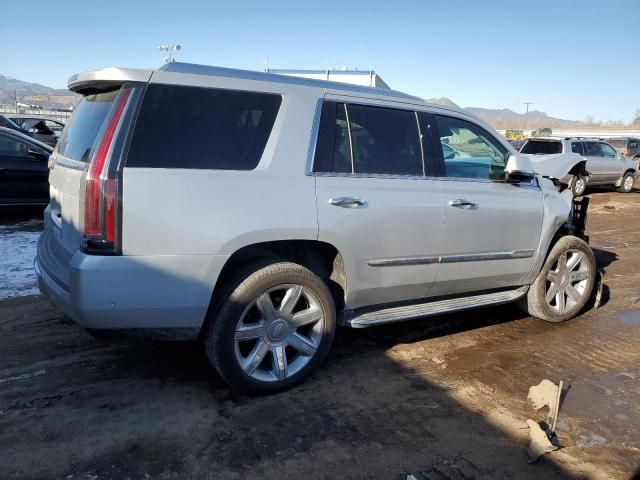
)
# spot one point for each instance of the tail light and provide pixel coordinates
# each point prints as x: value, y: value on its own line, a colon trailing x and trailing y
x: 101, y: 186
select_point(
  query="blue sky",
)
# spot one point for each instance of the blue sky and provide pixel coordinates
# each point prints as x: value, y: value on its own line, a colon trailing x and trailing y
x: 571, y: 59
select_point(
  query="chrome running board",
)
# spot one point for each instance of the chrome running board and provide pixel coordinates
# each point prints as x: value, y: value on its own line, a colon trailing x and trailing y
x: 410, y: 312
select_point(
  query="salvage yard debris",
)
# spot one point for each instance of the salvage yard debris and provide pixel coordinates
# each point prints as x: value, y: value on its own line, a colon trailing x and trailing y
x: 543, y: 436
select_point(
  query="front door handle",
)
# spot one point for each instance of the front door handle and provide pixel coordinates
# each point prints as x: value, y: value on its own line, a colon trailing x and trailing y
x: 463, y: 203
x: 347, y: 202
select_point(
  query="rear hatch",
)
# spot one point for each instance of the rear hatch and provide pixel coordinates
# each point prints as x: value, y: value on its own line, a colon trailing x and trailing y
x: 69, y: 165
x: 84, y: 168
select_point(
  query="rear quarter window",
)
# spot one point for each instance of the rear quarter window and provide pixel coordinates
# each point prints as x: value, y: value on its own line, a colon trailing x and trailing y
x: 202, y: 128
x: 541, y: 147
x: 87, y: 119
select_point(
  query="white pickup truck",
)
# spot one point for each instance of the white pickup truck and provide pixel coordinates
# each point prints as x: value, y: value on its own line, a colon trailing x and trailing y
x: 578, y: 162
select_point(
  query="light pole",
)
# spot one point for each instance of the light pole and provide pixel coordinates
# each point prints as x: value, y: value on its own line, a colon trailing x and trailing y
x: 526, y: 115
x: 169, y: 49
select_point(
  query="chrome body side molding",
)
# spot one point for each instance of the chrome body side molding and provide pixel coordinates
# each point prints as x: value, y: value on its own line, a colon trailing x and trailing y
x: 473, y: 257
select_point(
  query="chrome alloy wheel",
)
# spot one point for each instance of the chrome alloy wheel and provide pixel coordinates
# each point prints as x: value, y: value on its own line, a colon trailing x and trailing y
x: 580, y: 186
x: 567, y: 283
x: 627, y: 185
x: 279, y: 332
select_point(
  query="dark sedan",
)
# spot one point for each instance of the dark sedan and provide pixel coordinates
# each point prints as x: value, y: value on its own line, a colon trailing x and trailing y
x: 24, y: 171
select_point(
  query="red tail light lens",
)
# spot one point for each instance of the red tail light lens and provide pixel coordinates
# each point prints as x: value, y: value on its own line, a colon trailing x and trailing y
x: 100, y: 194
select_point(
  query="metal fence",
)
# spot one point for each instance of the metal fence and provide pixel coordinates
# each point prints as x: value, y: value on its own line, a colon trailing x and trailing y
x: 60, y: 115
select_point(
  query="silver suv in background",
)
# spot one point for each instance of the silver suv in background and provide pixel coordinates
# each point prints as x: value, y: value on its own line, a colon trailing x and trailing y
x: 255, y: 212
x: 603, y: 164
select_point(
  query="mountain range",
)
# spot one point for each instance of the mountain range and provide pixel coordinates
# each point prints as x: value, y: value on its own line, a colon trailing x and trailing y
x: 34, y: 94
x: 502, y: 119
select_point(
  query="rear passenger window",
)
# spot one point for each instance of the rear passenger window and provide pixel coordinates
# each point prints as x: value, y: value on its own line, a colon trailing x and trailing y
x: 385, y: 141
x: 576, y: 147
x: 202, y: 128
x: 375, y: 140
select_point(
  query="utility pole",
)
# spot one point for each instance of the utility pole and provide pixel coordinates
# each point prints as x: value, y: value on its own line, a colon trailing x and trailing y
x: 15, y: 99
x: 526, y: 115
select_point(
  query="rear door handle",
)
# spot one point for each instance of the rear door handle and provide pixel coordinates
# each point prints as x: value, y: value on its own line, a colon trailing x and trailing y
x: 463, y: 203
x: 347, y: 202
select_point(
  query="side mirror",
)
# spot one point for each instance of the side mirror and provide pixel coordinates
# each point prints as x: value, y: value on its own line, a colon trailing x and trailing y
x: 40, y: 155
x: 519, y: 169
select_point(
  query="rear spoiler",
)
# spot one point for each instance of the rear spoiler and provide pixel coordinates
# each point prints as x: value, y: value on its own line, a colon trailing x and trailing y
x: 105, y: 78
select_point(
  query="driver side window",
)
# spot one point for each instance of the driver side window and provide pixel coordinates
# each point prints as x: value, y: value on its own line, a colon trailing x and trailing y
x: 469, y: 151
x: 607, y: 151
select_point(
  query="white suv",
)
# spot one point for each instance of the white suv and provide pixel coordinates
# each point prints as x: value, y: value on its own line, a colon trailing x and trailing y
x: 255, y: 212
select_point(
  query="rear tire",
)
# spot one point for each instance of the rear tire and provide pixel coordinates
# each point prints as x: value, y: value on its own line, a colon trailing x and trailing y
x: 275, y: 326
x: 565, y: 282
x: 578, y: 185
x: 626, y: 185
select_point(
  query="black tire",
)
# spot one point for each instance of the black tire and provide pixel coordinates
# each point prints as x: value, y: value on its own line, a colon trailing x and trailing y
x: 240, y: 294
x: 535, y: 302
x: 626, y: 186
x: 578, y: 185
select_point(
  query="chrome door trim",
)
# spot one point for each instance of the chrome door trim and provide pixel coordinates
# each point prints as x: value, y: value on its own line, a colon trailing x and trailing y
x: 472, y: 257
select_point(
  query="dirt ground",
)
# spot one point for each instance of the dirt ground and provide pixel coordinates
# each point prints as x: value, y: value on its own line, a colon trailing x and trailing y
x: 440, y: 398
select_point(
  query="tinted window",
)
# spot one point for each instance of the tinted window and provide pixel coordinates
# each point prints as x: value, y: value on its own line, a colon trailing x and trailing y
x: 541, y: 147
x: 85, y: 123
x: 385, y: 141
x: 607, y: 151
x: 633, y: 144
x: 593, y: 149
x: 576, y: 147
x: 333, y: 149
x: 10, y: 147
x: 469, y: 151
x: 190, y: 127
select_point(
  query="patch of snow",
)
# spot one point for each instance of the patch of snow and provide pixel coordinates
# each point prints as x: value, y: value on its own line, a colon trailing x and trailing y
x: 18, y: 244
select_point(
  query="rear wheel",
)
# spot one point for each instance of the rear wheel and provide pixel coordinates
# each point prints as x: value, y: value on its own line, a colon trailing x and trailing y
x: 578, y: 185
x: 274, y: 328
x: 565, y: 282
x: 627, y: 183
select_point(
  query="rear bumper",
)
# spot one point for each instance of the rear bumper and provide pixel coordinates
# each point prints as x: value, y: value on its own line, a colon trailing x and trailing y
x: 129, y: 293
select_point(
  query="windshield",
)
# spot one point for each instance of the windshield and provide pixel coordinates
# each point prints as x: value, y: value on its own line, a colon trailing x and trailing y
x: 618, y: 142
x: 541, y: 147
x: 87, y: 119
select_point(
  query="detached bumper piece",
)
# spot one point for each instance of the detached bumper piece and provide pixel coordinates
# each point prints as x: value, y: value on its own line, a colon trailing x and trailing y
x: 578, y: 218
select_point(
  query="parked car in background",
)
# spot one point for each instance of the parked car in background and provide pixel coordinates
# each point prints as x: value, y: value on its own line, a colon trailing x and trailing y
x: 33, y: 127
x: 55, y: 125
x: 602, y: 164
x: 23, y: 169
x: 628, y: 146
x: 282, y: 206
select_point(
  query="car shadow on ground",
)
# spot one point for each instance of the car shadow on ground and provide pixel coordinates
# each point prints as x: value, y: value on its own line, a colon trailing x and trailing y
x: 159, y: 410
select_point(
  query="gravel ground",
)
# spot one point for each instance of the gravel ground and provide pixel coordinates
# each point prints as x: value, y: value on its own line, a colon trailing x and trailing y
x: 441, y: 398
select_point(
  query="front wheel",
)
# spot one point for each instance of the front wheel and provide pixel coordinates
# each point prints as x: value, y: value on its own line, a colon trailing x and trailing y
x: 578, y: 185
x: 627, y: 183
x: 273, y: 329
x: 565, y: 282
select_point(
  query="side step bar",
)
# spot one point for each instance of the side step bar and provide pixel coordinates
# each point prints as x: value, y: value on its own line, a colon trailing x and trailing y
x: 398, y: 314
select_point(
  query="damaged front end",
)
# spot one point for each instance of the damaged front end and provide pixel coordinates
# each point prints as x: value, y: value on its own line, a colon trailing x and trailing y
x: 577, y: 221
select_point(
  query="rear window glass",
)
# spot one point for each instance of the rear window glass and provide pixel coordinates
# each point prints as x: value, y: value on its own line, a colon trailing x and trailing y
x: 202, y: 128
x: 576, y: 147
x: 87, y: 119
x: 541, y: 147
